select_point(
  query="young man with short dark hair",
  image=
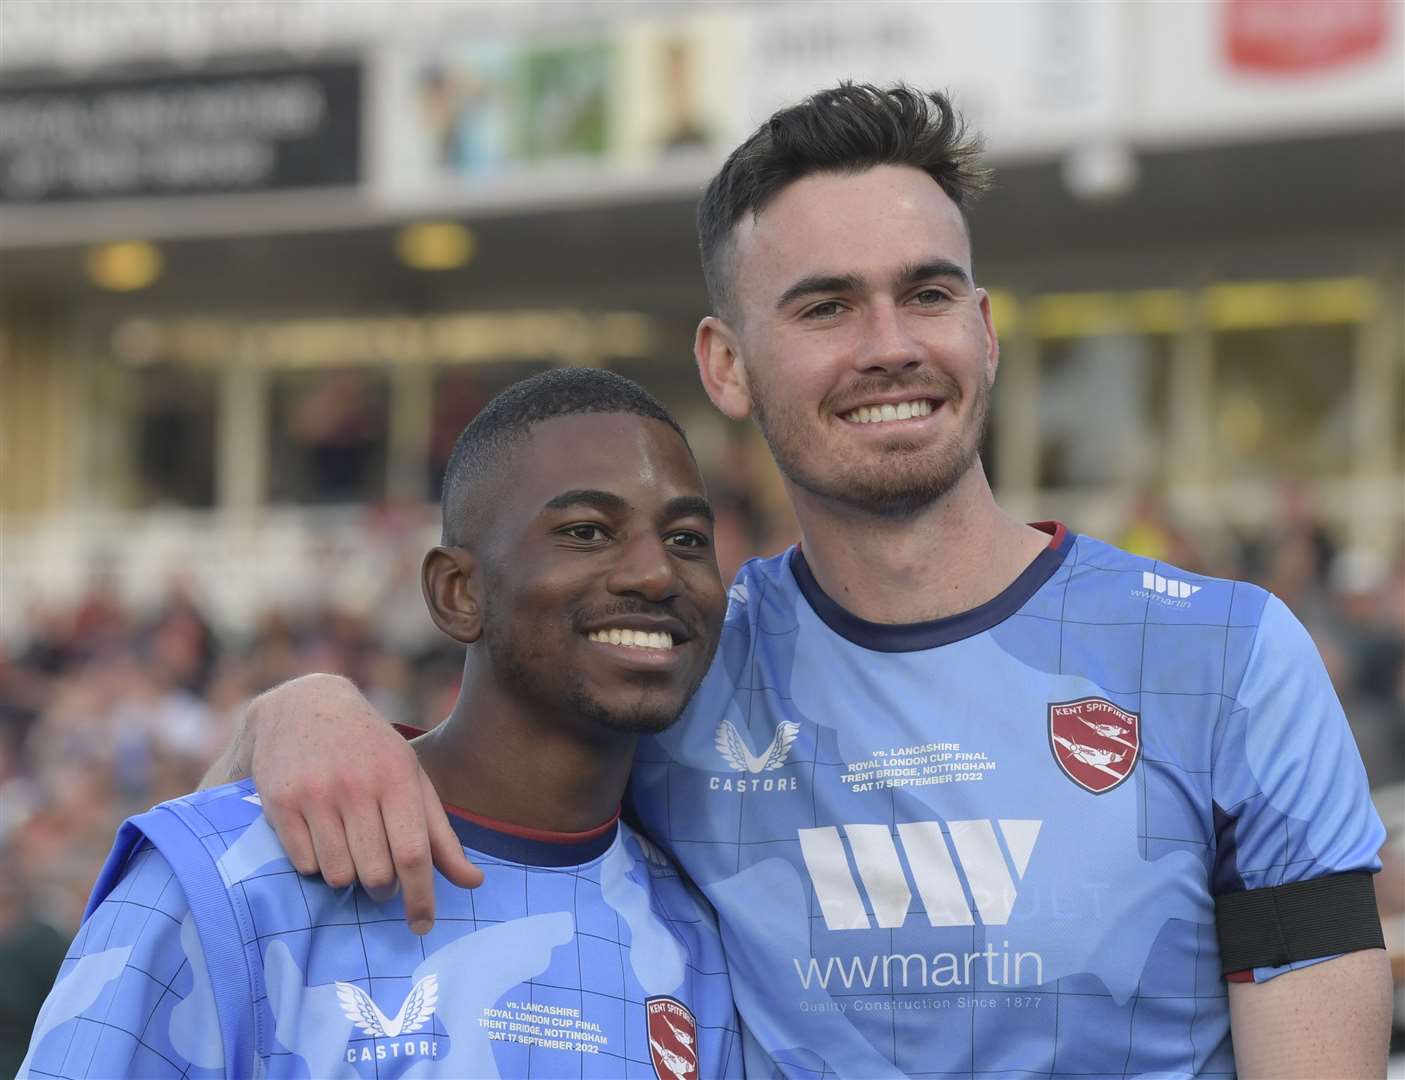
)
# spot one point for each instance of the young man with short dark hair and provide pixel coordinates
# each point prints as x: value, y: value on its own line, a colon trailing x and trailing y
x: 970, y: 796
x: 577, y: 568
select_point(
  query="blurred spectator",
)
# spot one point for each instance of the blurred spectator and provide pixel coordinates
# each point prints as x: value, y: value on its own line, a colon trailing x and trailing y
x: 1363, y: 644
x: 458, y: 398
x: 30, y: 954
x: 330, y: 437
x: 1291, y: 558
x: 99, y: 619
x: 19, y: 795
x: 181, y: 641
x: 25, y: 685
x: 50, y: 639
x: 273, y: 653
x: 746, y: 525
x: 1150, y: 532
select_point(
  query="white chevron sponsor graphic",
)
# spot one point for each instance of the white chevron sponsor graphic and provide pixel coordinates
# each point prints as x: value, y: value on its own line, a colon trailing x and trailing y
x: 738, y: 755
x: 937, y: 862
x: 414, y: 1013
x: 1181, y: 590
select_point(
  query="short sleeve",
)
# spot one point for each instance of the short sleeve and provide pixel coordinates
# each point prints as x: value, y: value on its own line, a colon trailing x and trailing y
x: 1297, y: 836
x: 133, y: 997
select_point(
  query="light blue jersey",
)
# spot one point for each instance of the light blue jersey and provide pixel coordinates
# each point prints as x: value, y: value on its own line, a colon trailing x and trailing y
x: 205, y: 954
x: 994, y: 845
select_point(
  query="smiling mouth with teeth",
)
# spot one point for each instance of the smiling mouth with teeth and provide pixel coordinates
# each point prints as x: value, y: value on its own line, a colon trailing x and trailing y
x: 879, y: 414
x: 637, y: 639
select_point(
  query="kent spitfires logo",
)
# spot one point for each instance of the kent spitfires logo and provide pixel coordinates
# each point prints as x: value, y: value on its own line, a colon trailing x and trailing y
x: 673, y: 1038
x: 738, y: 755
x: 1095, y: 743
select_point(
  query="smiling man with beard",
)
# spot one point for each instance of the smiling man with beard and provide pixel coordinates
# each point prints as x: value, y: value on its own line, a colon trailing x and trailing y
x: 577, y: 568
x: 971, y: 797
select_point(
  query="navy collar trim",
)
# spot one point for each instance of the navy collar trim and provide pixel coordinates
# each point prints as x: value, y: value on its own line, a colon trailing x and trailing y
x: 519, y: 844
x: 912, y: 637
x: 532, y: 850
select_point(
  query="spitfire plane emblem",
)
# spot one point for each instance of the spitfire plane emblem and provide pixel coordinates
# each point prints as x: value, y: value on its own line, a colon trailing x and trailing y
x: 1095, y: 743
x: 673, y: 1038
x: 414, y: 1013
x: 732, y: 746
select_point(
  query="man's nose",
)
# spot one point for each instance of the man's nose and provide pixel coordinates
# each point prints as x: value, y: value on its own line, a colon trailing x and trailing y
x: 644, y: 568
x: 889, y: 347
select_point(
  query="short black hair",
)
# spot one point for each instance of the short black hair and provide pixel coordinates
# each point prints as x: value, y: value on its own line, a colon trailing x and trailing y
x: 847, y: 128
x: 508, y: 418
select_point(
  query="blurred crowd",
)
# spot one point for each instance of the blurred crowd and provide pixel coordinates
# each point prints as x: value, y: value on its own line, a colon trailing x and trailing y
x: 105, y: 710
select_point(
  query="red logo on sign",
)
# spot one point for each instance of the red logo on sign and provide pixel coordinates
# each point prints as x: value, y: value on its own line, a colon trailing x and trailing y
x: 673, y: 1038
x: 1095, y: 743
x: 1304, y: 35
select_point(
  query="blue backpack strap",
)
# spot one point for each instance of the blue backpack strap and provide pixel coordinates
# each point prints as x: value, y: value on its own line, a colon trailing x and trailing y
x: 174, y: 829
x: 129, y: 837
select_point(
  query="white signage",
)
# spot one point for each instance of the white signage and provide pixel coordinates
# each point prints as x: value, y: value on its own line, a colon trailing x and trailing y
x: 88, y: 33
x: 1236, y: 68
x: 1034, y: 76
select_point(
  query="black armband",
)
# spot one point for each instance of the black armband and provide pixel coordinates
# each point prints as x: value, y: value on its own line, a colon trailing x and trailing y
x: 1274, y: 926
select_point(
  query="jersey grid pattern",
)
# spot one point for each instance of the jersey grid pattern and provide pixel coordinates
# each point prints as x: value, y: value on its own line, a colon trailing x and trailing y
x: 120, y: 1031
x: 457, y: 918
x: 1176, y: 662
x: 374, y: 950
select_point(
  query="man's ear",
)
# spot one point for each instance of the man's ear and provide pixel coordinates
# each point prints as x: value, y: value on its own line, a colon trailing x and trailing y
x: 992, y: 339
x: 452, y: 579
x: 721, y: 367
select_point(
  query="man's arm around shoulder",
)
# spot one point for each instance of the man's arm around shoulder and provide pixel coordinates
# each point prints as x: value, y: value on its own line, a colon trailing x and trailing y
x: 345, y: 792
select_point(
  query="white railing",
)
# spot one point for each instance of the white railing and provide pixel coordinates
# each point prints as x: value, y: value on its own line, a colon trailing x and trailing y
x: 357, y: 558
x: 237, y: 564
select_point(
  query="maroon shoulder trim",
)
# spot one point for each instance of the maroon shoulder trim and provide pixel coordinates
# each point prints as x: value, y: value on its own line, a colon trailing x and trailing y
x: 1057, y: 530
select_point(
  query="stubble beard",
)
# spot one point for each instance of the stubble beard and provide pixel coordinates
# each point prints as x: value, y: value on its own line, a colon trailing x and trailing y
x: 517, y: 666
x: 897, y: 487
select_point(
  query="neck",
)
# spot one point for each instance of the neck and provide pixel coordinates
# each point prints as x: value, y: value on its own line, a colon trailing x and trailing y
x: 497, y: 758
x: 949, y: 557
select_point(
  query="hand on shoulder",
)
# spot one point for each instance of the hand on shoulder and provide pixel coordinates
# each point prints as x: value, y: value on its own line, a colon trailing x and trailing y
x: 346, y: 795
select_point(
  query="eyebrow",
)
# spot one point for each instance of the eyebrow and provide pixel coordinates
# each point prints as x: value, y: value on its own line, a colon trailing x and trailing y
x: 689, y: 506
x: 603, y: 501
x: 839, y: 283
x: 933, y: 268
x: 820, y: 283
x: 609, y: 503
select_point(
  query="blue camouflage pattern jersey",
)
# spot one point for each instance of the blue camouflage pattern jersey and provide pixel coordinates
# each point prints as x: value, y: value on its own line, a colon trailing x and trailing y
x: 205, y: 954
x: 993, y: 845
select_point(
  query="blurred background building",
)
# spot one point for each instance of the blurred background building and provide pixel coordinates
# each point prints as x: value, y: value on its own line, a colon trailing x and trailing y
x: 261, y: 260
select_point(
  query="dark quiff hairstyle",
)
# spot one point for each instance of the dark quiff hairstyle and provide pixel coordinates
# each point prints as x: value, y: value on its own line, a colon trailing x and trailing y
x: 505, y: 421
x: 846, y: 129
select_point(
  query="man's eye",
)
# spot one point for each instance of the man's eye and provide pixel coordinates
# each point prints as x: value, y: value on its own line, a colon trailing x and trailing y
x: 687, y: 539
x: 930, y: 296
x: 825, y: 309
x: 586, y: 533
